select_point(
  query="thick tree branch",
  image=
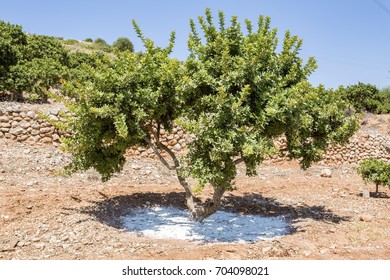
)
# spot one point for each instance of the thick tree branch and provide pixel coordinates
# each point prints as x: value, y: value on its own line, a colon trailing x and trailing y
x: 158, y: 154
x: 238, y: 161
x: 170, y: 153
x: 183, y: 182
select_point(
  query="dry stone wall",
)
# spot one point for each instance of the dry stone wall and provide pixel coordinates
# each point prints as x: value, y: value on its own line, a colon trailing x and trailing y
x: 25, y: 123
x: 362, y: 145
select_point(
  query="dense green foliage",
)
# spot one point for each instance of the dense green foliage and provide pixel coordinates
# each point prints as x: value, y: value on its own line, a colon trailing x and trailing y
x: 43, y: 64
x: 37, y: 76
x: 235, y: 93
x: 117, y: 104
x: 375, y: 171
x: 367, y: 97
x: 382, y: 104
x: 30, y: 63
x: 12, y: 39
x: 123, y: 44
x: 34, y: 63
x: 102, y: 45
x: 42, y: 47
x: 240, y: 94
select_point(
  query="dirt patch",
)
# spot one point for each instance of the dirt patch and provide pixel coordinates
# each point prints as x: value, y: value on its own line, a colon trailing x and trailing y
x: 47, y: 216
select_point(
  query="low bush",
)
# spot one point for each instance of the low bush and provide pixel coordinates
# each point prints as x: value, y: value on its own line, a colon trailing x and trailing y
x: 367, y: 97
x: 375, y: 171
x: 123, y: 44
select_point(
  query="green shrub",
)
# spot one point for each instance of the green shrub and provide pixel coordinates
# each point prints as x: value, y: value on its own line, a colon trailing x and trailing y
x: 362, y: 96
x: 36, y: 76
x: 79, y: 61
x: 102, y: 45
x: 41, y: 46
x: 12, y: 34
x: 375, y: 171
x: 88, y: 40
x: 100, y: 41
x: 76, y: 59
x: 367, y: 97
x: 70, y: 42
x: 12, y: 40
x: 383, y: 103
x: 123, y: 44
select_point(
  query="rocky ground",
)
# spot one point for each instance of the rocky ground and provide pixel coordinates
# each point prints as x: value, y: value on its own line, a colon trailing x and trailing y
x: 44, y: 215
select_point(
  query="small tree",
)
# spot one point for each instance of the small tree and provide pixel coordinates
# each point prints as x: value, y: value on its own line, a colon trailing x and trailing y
x: 362, y: 96
x: 37, y: 76
x: 12, y: 40
x: 123, y: 44
x: 43, y: 47
x: 375, y: 171
x: 42, y: 63
x: 383, y: 101
x: 235, y: 93
x: 102, y: 44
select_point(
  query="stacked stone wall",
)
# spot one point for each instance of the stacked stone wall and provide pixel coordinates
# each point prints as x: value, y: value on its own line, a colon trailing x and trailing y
x: 24, y: 125
x: 28, y: 124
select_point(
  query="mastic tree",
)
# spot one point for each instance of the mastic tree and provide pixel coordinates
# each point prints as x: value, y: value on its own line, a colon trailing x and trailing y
x: 37, y: 76
x: 42, y: 65
x: 123, y: 44
x: 382, y: 102
x: 375, y: 171
x: 236, y: 93
x: 363, y: 97
x: 43, y: 47
x: 102, y: 44
x: 12, y: 39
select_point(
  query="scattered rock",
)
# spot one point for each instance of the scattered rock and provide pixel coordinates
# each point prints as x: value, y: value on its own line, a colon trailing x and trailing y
x: 326, y: 173
x: 366, y: 218
x: 13, y: 243
x: 135, y: 167
x: 31, y: 183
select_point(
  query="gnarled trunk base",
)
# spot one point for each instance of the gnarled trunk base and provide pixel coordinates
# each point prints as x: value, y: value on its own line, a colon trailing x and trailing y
x: 200, y: 212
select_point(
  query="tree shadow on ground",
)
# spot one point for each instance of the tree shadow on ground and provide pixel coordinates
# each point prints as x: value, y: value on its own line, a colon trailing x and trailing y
x: 381, y: 195
x: 110, y: 210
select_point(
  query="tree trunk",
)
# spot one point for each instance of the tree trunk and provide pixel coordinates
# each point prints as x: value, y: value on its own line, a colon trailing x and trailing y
x: 377, y: 189
x: 197, y: 212
x: 200, y: 212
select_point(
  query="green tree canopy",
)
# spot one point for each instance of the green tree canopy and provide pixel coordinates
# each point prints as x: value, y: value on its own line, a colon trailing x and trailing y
x: 363, y: 97
x: 43, y: 47
x: 235, y: 93
x: 123, y: 44
x: 375, y: 171
x: 12, y: 38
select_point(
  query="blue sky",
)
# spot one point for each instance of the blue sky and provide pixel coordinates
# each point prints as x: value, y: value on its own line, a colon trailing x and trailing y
x: 349, y: 38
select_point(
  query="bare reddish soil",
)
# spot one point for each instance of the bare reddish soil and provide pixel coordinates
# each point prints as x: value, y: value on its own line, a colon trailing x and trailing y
x: 44, y: 215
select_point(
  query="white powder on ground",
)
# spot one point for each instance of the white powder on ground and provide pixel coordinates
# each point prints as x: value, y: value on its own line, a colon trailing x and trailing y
x: 173, y: 223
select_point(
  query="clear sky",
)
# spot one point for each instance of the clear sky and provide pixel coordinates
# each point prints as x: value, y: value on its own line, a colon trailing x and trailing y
x: 349, y: 38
